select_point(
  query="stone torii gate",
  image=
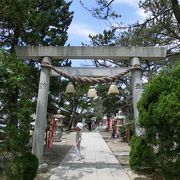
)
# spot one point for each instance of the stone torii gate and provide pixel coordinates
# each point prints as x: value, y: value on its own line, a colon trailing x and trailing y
x: 47, y: 53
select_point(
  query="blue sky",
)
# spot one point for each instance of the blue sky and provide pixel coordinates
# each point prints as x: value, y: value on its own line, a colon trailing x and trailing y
x: 84, y: 24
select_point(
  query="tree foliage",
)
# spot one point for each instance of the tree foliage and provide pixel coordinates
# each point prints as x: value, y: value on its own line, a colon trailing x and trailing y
x: 161, y: 25
x: 165, y: 16
x: 29, y: 22
x: 159, y: 117
x: 26, y: 22
x: 16, y: 107
x: 102, y: 11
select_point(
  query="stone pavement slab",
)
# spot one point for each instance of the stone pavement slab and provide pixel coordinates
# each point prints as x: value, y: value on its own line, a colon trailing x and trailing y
x: 99, y: 162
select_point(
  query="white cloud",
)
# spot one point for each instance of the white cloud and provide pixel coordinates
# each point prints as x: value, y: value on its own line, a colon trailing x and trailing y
x: 134, y: 4
x: 141, y: 13
x: 82, y: 30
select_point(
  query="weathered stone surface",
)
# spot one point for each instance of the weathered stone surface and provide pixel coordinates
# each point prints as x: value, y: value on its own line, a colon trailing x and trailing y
x: 81, y: 52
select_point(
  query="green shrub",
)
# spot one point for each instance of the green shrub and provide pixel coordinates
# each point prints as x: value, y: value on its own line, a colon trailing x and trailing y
x: 14, y: 170
x: 22, y: 168
x: 142, y: 157
x: 159, y: 116
x: 122, y: 132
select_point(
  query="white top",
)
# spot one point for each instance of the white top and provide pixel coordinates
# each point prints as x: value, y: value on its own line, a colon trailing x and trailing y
x: 78, y: 136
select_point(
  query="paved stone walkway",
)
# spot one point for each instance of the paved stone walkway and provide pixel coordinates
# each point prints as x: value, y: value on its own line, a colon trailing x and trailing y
x: 99, y: 162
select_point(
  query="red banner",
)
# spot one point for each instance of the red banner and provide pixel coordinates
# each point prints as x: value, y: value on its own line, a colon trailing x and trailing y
x: 111, y: 122
x: 51, y: 132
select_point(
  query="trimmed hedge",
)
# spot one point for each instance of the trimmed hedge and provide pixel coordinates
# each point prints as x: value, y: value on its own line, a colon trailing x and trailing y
x: 159, y: 115
x: 22, y: 168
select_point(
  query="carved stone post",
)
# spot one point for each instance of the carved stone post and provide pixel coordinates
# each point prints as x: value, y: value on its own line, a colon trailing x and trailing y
x: 41, y: 111
x: 136, y: 88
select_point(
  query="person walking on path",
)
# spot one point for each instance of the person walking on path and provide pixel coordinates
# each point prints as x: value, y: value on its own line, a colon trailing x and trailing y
x: 89, y: 125
x: 113, y: 132
x: 79, y: 128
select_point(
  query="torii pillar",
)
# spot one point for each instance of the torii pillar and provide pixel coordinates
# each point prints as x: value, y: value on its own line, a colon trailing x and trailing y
x: 136, y: 85
x: 41, y: 111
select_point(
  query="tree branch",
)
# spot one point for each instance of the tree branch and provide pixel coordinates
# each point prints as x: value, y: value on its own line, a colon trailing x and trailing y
x: 176, y: 10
